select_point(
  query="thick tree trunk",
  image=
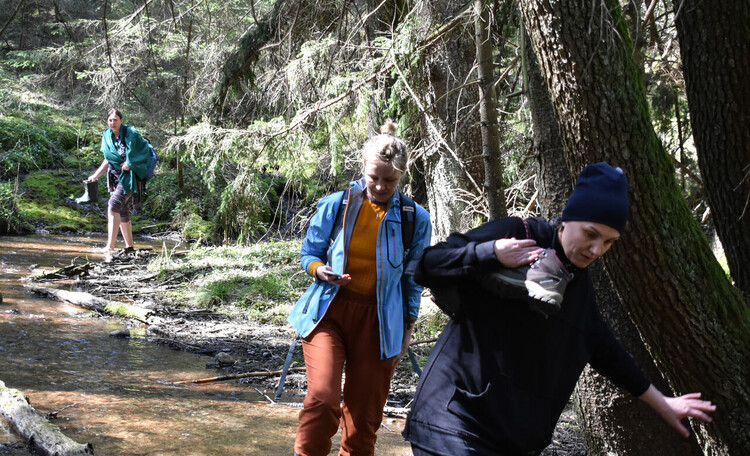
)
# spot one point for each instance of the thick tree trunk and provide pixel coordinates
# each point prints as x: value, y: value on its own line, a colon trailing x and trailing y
x: 608, y: 418
x: 43, y: 436
x: 493, y: 168
x: 715, y: 46
x: 693, y: 321
x: 452, y: 159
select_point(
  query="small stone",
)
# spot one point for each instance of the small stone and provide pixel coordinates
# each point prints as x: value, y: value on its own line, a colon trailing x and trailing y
x: 224, y: 359
x: 120, y: 333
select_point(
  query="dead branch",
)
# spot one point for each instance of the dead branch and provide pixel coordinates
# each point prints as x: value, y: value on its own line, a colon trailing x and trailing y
x: 236, y: 376
x: 423, y: 341
x: 12, y: 16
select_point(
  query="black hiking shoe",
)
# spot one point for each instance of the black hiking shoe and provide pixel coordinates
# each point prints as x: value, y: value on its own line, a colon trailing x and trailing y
x: 541, y: 284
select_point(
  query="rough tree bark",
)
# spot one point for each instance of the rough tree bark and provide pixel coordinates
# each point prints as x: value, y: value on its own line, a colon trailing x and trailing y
x: 693, y: 321
x: 493, y: 168
x: 452, y: 161
x: 609, y: 418
x: 715, y: 46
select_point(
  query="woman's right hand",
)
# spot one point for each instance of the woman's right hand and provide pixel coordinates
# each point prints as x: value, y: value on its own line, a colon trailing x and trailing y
x: 512, y: 252
x: 326, y: 274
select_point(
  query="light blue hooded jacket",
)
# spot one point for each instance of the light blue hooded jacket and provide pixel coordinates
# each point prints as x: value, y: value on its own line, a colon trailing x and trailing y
x: 398, y: 296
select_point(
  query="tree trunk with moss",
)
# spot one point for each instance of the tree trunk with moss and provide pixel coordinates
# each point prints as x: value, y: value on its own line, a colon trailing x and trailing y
x: 608, y: 418
x: 694, y: 323
x: 715, y: 46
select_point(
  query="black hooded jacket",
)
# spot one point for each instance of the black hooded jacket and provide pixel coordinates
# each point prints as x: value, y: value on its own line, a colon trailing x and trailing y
x: 500, y: 374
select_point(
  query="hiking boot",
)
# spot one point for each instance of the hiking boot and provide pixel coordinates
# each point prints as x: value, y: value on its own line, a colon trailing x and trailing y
x: 542, y: 283
x: 546, y: 280
x: 90, y: 191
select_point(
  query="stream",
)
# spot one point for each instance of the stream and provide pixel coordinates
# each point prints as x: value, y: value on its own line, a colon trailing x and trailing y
x: 118, y: 394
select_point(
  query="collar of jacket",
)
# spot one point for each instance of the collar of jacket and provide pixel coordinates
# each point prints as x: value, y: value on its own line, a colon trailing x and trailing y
x: 359, y: 187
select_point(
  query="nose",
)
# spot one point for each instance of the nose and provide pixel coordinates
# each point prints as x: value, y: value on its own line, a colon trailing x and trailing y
x: 597, y: 249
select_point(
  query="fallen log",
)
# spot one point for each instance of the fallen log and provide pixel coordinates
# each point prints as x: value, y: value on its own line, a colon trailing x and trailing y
x: 236, y: 376
x: 42, y: 435
x: 91, y: 302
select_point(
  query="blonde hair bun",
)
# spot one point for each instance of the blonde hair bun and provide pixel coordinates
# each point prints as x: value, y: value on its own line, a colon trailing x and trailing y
x: 388, y: 128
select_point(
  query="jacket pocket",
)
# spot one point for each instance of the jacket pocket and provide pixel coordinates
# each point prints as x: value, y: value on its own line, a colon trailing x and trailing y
x: 504, y: 414
x: 308, y: 296
x: 394, y: 244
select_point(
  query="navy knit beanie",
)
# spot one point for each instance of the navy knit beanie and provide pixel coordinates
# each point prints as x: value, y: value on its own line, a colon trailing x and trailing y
x: 600, y: 196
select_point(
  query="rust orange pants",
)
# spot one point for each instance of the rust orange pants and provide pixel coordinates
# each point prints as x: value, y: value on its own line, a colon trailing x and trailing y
x: 346, y: 336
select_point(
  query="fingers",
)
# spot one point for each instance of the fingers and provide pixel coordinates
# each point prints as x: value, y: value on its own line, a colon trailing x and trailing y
x: 523, y: 243
x: 345, y: 278
x: 513, y: 252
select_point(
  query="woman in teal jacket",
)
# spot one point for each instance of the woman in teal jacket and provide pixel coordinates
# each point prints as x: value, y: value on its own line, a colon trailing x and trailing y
x: 361, y: 308
x: 127, y: 156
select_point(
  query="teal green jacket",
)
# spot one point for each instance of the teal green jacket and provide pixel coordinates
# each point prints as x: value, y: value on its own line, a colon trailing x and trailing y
x: 137, y: 156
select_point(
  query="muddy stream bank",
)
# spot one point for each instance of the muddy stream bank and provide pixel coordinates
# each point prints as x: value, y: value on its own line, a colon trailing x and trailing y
x: 119, y: 394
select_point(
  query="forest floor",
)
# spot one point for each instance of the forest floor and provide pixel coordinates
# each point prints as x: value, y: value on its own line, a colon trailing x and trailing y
x: 239, y: 345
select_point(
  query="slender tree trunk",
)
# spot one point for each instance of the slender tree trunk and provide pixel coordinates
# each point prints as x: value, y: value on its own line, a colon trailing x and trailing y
x: 693, y: 321
x: 493, y: 168
x: 715, y: 46
x: 608, y: 418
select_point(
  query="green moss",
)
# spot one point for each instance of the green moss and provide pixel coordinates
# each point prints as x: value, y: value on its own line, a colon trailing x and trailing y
x: 61, y: 218
x: 125, y: 310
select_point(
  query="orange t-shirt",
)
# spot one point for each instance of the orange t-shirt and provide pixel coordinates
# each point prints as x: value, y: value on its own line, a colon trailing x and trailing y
x: 360, y: 262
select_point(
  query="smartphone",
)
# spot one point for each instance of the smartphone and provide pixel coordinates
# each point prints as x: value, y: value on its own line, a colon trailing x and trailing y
x: 333, y: 276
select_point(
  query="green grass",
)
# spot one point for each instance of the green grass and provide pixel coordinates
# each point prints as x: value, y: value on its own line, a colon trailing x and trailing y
x: 261, y: 281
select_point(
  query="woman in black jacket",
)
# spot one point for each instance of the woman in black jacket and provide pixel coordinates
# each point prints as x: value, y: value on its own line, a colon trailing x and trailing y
x: 500, y: 374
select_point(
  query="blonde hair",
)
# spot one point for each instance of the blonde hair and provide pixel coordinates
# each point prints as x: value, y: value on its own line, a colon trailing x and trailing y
x: 387, y: 148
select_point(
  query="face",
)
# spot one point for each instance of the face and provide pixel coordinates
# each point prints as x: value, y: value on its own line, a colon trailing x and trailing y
x: 114, y: 122
x: 381, y: 180
x: 584, y: 242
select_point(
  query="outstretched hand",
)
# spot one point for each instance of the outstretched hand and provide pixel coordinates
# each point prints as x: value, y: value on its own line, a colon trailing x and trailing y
x: 687, y: 406
x: 675, y: 409
x: 512, y: 252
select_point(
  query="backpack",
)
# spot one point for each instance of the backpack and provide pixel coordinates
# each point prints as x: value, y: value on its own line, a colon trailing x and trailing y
x: 408, y: 217
x: 152, y: 165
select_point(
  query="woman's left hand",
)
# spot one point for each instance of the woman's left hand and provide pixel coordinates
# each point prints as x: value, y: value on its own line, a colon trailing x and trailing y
x: 404, y: 345
x: 674, y: 409
x: 125, y: 167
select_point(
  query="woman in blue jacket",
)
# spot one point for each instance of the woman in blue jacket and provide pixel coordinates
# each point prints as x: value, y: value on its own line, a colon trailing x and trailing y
x: 500, y: 374
x: 359, y: 312
x: 127, y: 156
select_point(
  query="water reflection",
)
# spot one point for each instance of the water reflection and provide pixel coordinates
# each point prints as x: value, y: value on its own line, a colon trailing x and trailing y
x: 118, y: 394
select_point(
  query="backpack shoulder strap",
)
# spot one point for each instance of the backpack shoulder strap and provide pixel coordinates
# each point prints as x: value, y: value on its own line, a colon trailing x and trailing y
x: 338, y: 223
x: 408, y: 219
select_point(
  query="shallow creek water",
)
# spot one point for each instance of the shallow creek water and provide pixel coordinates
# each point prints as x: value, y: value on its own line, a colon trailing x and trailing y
x: 118, y: 394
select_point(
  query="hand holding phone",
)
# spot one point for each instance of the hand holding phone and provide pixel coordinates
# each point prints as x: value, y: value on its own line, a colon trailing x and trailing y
x: 326, y: 274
